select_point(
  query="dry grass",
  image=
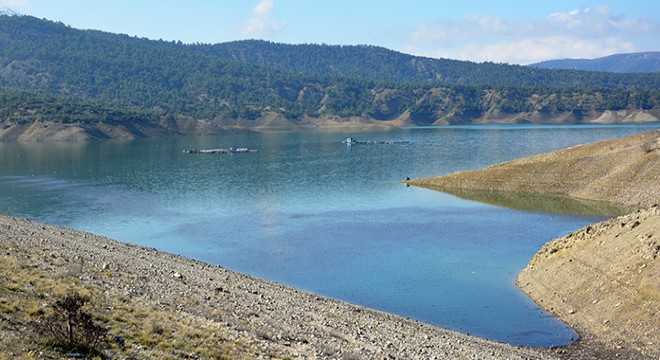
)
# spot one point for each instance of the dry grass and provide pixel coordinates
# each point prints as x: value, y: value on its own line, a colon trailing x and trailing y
x: 29, y: 286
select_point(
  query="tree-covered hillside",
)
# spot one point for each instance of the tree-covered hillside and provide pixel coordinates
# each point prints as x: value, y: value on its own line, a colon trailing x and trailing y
x: 101, y: 76
x: 29, y: 106
x: 643, y: 62
x: 380, y: 64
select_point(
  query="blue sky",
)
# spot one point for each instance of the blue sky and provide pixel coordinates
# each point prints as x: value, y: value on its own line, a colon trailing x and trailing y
x: 516, y: 32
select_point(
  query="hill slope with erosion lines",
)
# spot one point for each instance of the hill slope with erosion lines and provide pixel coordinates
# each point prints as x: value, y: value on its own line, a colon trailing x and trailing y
x: 248, y: 85
x: 622, y: 171
x: 604, y: 279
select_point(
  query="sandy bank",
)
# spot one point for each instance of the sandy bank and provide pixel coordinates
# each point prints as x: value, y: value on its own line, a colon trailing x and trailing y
x: 622, y: 171
x: 259, y: 319
x: 604, y: 280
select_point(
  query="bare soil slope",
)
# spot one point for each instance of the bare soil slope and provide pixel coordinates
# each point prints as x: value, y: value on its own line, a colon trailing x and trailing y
x: 167, y: 299
x: 623, y: 171
x: 604, y: 280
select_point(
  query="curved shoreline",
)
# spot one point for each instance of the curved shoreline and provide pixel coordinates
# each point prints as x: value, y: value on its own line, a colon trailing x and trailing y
x: 258, y: 317
x: 604, y: 280
x: 262, y: 319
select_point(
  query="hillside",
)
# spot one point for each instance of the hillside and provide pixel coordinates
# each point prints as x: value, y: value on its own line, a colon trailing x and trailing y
x: 643, y: 62
x: 379, y: 64
x: 621, y: 171
x: 604, y: 279
x: 201, y: 89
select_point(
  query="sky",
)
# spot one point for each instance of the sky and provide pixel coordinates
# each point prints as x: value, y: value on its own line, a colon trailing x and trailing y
x: 501, y: 31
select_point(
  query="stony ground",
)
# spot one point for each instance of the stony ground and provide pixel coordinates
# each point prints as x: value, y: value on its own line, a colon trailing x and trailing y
x: 622, y: 171
x: 252, y: 318
x: 604, y: 280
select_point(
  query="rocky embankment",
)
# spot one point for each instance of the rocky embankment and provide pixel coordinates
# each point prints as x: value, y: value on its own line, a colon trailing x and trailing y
x: 622, y: 171
x: 249, y: 317
x: 44, y: 129
x: 604, y: 280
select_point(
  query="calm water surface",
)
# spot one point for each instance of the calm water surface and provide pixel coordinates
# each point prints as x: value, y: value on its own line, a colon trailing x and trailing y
x: 311, y: 212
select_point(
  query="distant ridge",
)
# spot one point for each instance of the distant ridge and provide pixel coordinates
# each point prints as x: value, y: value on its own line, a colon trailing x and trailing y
x: 373, y: 63
x: 61, y: 83
x: 642, y: 62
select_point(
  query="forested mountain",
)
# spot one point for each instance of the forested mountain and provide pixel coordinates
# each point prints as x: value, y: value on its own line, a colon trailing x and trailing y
x: 380, y: 64
x: 90, y: 79
x: 643, y: 62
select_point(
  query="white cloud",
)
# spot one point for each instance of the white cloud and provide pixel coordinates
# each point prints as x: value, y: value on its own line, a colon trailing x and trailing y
x: 21, y: 6
x: 579, y: 33
x: 262, y: 20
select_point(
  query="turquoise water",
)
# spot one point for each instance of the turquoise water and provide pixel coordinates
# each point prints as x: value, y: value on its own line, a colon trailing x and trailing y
x: 311, y: 212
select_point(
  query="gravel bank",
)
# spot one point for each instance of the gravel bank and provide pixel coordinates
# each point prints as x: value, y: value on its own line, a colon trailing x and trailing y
x: 271, y: 320
x: 604, y: 280
x: 622, y: 171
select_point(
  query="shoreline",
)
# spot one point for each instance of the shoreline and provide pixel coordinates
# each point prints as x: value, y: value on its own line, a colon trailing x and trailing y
x: 261, y: 319
x: 603, y: 280
x: 48, y: 130
x: 623, y: 172
x: 256, y: 318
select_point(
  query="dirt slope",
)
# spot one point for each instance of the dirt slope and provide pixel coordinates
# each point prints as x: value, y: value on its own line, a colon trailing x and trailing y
x: 603, y: 280
x: 623, y: 171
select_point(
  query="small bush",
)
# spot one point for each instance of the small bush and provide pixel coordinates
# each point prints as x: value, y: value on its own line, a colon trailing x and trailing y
x: 69, y: 328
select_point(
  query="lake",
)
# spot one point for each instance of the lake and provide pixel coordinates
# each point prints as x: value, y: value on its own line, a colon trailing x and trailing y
x: 308, y: 211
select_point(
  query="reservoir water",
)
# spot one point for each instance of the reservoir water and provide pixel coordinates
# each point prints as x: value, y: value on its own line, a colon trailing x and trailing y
x: 308, y: 211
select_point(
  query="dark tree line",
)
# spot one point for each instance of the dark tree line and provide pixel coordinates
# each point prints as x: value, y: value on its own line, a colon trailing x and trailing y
x: 65, y: 74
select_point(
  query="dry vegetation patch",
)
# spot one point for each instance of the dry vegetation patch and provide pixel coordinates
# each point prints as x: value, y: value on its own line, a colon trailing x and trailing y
x: 158, y: 306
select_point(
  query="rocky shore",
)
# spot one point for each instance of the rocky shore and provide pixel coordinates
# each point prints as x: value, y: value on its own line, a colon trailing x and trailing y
x: 603, y: 280
x: 247, y: 317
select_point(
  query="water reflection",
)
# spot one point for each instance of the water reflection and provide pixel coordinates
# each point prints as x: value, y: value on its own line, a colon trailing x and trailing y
x: 537, y: 202
x: 306, y: 211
